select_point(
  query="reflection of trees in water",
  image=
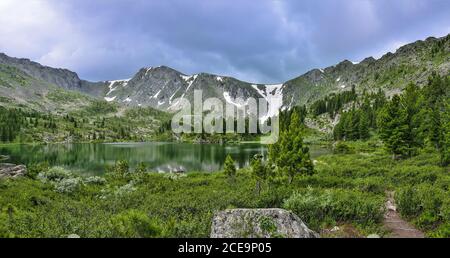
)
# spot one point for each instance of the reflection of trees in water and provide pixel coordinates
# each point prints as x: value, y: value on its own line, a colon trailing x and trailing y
x: 94, y: 157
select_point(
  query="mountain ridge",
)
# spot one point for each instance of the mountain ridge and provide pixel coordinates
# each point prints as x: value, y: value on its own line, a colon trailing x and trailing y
x: 157, y: 87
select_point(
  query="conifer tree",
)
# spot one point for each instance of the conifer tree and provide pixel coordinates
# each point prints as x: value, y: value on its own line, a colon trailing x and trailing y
x: 229, y: 168
x: 259, y: 171
x: 393, y: 127
x: 363, y: 126
x: 289, y: 154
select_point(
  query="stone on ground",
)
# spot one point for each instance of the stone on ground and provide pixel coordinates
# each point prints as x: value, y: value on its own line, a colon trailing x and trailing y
x: 11, y: 170
x: 259, y: 223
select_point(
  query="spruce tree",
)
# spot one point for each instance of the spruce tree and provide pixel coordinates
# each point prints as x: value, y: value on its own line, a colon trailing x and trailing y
x: 229, y: 168
x: 289, y: 154
x: 259, y: 171
x: 393, y: 126
x: 363, y: 126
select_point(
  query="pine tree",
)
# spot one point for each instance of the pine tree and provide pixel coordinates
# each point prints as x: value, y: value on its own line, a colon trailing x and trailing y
x: 229, y: 168
x: 444, y: 146
x: 411, y: 103
x: 393, y: 126
x: 363, y: 126
x: 289, y: 154
x: 259, y: 171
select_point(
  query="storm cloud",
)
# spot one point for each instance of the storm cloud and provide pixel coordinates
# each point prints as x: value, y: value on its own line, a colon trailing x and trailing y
x: 266, y: 41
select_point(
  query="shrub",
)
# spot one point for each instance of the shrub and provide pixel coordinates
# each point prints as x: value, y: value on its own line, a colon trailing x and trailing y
x: 95, y: 180
x: 133, y: 223
x: 35, y: 169
x: 68, y: 185
x: 342, y: 148
x: 4, y: 228
x: 229, y: 168
x: 54, y: 174
x: 315, y: 206
x: 408, y: 202
x: 428, y: 205
x: 120, y: 170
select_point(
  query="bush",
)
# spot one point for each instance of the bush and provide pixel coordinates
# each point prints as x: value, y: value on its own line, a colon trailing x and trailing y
x: 134, y: 223
x: 428, y: 205
x: 95, y: 180
x: 342, y: 148
x: 120, y: 170
x: 54, y: 174
x: 316, y: 206
x: 68, y: 185
x: 35, y: 169
x: 408, y: 202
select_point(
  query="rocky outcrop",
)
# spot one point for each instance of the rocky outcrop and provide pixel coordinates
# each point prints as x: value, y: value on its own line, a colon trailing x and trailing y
x: 12, y: 171
x: 259, y: 223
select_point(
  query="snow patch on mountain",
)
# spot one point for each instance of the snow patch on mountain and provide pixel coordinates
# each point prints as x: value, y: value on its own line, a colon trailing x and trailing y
x: 156, y: 95
x: 192, y: 80
x: 254, y: 86
x: 110, y: 99
x: 229, y: 99
x: 173, y: 95
x: 112, y: 83
x: 274, y: 98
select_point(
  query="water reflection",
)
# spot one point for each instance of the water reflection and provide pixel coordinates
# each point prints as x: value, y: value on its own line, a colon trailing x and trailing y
x: 161, y: 157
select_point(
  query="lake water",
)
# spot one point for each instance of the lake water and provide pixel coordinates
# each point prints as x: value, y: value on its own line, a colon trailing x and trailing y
x: 91, y: 158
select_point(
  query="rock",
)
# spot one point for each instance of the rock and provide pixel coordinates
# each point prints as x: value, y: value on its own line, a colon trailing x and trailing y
x: 3, y: 157
x: 390, y: 206
x: 259, y: 223
x: 335, y: 228
x: 73, y: 236
x: 373, y: 236
x: 12, y: 171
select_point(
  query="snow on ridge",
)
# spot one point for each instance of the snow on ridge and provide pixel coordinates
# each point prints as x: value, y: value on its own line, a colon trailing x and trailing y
x: 111, y: 84
x: 338, y: 79
x: 191, y: 82
x: 148, y: 69
x: 127, y: 100
x: 173, y: 95
x: 110, y: 99
x: 258, y: 90
x: 273, y: 94
x: 343, y: 86
x: 218, y: 78
x: 187, y: 78
x: 274, y: 97
x: 156, y: 95
x: 321, y: 70
x: 230, y: 100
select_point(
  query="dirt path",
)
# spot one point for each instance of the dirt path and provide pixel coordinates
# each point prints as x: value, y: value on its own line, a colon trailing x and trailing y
x: 396, y: 225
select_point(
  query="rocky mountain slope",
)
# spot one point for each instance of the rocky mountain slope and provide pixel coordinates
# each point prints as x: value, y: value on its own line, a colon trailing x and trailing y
x: 29, y: 83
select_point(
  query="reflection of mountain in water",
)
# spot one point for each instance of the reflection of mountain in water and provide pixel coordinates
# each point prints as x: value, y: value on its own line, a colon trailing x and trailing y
x: 92, y: 158
x: 160, y: 157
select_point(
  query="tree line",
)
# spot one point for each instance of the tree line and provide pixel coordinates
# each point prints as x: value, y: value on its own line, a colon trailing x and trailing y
x: 407, y: 123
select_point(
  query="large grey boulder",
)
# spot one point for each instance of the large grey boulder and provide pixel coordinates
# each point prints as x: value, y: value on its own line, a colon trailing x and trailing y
x: 259, y: 223
x: 8, y: 170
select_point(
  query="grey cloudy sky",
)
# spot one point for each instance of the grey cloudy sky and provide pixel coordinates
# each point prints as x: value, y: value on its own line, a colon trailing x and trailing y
x: 265, y: 41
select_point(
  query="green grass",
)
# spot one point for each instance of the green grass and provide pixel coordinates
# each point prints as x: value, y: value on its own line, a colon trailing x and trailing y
x: 347, y: 189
